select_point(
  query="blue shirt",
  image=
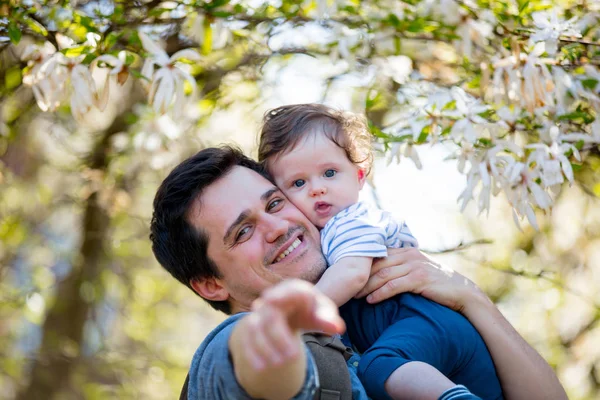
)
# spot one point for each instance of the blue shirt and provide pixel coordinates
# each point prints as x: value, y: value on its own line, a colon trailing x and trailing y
x: 212, y: 376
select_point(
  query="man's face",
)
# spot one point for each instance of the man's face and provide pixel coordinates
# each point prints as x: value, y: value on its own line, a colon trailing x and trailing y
x: 256, y: 236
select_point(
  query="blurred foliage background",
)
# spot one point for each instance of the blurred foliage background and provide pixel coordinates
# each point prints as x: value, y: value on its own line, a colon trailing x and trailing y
x: 86, y: 311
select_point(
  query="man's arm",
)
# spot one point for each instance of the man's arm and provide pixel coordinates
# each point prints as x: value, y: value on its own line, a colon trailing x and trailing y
x: 523, y: 373
x: 268, y: 354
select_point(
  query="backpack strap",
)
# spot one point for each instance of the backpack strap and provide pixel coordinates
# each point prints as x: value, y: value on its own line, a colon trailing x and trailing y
x: 330, y: 356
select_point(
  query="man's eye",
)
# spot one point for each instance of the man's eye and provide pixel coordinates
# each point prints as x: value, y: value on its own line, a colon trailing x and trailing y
x: 274, y: 204
x: 330, y: 173
x: 242, y: 232
x: 298, y: 183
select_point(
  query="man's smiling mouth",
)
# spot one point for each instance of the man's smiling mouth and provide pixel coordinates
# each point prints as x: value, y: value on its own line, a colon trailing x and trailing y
x: 291, y: 248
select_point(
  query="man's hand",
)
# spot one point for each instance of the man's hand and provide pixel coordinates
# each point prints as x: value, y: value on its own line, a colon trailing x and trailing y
x: 278, y: 317
x: 267, y: 350
x: 523, y: 373
x: 409, y: 270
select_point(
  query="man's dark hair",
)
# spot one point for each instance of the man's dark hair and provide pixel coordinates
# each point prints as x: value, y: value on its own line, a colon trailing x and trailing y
x: 285, y: 126
x: 177, y: 245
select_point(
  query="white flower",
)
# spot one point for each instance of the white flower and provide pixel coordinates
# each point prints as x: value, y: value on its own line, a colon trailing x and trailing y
x: 416, y: 127
x: 554, y: 166
x: 45, y: 76
x: 220, y: 34
x: 507, y: 79
x: 406, y: 149
x: 49, y: 82
x: 347, y: 40
x: 549, y: 28
x: 538, y: 83
x: 565, y: 89
x: 396, y: 67
x: 473, y: 31
x: 118, y: 69
x: 468, y: 109
x: 325, y: 8
x: 84, y: 95
x: 487, y: 169
x: 168, y: 81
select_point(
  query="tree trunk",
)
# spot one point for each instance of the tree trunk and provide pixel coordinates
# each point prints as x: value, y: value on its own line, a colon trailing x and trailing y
x: 64, y: 323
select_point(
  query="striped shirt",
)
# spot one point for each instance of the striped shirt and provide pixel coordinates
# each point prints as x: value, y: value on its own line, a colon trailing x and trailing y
x: 363, y: 231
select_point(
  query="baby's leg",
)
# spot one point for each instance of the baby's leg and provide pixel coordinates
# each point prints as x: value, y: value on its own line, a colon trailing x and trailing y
x: 405, y: 342
x: 417, y: 380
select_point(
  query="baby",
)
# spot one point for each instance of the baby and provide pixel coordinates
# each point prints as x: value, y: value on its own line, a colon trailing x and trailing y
x: 411, y: 347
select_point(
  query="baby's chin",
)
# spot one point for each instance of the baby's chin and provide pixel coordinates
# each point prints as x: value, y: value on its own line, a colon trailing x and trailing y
x: 320, y: 222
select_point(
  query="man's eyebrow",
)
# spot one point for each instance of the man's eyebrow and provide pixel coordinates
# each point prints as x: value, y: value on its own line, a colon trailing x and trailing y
x: 246, y: 213
x: 265, y: 196
x: 243, y: 215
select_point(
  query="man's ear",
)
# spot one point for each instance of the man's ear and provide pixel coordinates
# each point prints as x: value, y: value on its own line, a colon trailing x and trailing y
x: 362, y: 177
x: 209, y: 288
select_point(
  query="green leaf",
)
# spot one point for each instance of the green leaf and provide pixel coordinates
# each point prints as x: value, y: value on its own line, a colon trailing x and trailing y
x: 111, y: 39
x: 129, y: 58
x: 375, y: 131
x: 523, y: 6
x: 14, y: 33
x: 577, y: 116
x: 156, y: 12
x: 208, y: 37
x: 450, y: 105
x: 589, y: 83
x: 222, y: 14
x: 131, y: 118
x: 215, y: 4
x: 35, y: 26
x: 74, y: 51
x: 13, y: 77
x: 138, y: 74
x: 393, y: 20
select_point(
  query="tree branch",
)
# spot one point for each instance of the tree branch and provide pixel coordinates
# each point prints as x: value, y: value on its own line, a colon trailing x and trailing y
x: 460, y: 246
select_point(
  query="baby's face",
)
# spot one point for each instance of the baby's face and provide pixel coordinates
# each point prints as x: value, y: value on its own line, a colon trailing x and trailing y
x: 318, y: 178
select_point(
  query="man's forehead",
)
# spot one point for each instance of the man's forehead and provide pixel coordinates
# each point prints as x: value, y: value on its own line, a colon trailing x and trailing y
x: 234, y: 192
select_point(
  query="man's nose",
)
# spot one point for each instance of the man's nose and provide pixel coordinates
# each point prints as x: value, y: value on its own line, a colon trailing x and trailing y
x: 275, y: 227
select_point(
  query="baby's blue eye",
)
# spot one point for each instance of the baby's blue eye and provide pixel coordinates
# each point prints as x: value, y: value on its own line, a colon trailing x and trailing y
x: 298, y: 183
x: 330, y: 173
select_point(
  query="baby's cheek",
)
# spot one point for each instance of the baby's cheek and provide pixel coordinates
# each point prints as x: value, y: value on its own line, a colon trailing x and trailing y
x: 301, y: 204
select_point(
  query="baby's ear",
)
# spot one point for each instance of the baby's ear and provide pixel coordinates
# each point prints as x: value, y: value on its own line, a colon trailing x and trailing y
x: 362, y: 176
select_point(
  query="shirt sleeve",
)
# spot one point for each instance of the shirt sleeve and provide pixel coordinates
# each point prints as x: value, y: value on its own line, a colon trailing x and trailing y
x: 212, y: 376
x: 458, y: 392
x: 362, y: 231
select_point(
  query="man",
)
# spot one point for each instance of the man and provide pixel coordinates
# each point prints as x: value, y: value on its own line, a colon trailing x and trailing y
x: 225, y: 231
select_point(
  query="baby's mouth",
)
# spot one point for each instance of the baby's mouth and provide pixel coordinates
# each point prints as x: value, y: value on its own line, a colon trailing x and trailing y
x: 322, y: 208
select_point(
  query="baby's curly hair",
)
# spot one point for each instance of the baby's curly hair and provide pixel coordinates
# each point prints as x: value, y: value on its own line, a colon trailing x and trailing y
x: 283, y: 127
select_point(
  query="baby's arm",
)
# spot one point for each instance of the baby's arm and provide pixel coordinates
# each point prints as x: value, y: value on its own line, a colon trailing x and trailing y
x: 344, y: 279
x: 417, y: 380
